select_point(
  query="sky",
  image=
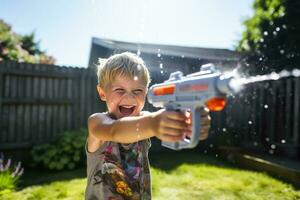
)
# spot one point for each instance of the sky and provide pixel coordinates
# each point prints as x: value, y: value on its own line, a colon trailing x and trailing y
x: 65, y: 27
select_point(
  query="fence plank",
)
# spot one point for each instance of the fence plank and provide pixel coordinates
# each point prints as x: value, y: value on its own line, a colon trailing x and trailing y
x: 296, y: 129
x: 288, y: 109
x: 2, y: 82
x: 83, y: 98
x: 272, y: 113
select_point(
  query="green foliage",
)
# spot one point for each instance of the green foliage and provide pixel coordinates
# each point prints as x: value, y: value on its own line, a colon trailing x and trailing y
x: 20, y: 48
x: 9, y: 175
x: 272, y: 36
x: 67, y: 152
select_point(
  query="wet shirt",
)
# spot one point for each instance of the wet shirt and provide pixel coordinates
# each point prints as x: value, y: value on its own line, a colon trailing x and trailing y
x: 119, y: 172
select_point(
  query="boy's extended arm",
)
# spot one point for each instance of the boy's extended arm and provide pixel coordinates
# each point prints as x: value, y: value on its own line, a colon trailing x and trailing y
x: 124, y: 130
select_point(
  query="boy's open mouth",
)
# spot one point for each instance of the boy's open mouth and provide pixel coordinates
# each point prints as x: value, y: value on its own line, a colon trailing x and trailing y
x: 126, y: 110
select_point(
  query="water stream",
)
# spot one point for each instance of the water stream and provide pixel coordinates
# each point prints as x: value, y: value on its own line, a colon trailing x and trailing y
x: 237, y: 83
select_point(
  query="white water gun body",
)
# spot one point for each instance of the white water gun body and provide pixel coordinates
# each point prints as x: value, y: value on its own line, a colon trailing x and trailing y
x: 208, y: 87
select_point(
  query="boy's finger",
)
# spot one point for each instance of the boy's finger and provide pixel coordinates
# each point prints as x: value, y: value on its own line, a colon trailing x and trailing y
x: 205, y: 128
x: 188, y: 133
x: 171, y: 123
x: 204, y: 111
x: 176, y: 115
x: 203, y: 135
x: 170, y: 138
x: 188, y: 114
x: 172, y: 131
x: 205, y: 121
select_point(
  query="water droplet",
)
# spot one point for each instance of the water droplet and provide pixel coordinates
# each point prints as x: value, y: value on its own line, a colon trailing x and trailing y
x: 274, y: 76
x: 283, y: 141
x: 277, y: 29
x: 260, y: 59
x: 296, y: 72
x: 284, y: 26
x: 135, y: 78
x: 261, y: 40
x: 161, y: 71
x: 182, y: 56
x: 249, y: 122
x: 217, y: 155
x: 138, y: 52
x: 284, y: 73
x: 161, y: 65
x: 267, y: 139
x: 265, y: 33
x: 224, y: 129
x: 273, y: 146
x: 282, y: 51
x: 266, y: 106
x: 139, y: 68
x: 158, y: 55
x: 274, y: 33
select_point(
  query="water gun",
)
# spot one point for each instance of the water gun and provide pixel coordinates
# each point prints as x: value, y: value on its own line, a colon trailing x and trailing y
x: 208, y: 87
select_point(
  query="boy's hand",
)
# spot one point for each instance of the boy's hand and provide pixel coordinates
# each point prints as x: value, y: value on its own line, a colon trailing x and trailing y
x: 205, y: 123
x: 170, y: 126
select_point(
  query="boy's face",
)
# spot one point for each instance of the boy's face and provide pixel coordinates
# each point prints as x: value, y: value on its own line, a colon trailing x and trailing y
x: 124, y: 96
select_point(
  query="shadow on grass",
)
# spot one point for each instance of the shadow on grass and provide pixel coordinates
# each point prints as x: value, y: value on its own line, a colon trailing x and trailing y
x: 33, y: 177
x: 169, y: 160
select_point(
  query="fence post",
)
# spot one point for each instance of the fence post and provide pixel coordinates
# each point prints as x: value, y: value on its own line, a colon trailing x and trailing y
x: 296, y: 112
x: 1, y: 91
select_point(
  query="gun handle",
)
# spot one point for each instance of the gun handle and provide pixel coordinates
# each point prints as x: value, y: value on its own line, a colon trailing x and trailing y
x: 193, y: 141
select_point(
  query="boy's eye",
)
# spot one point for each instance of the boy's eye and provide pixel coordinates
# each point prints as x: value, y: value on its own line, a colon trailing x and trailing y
x: 119, y: 90
x: 137, y: 92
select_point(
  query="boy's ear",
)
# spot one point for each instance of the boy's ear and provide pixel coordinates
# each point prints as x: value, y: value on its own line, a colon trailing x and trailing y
x: 101, y: 93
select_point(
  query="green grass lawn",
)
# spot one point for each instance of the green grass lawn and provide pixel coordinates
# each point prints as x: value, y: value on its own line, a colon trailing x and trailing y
x: 178, y: 175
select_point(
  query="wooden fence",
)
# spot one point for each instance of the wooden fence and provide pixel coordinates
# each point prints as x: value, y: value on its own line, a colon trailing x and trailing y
x: 264, y: 117
x: 40, y: 102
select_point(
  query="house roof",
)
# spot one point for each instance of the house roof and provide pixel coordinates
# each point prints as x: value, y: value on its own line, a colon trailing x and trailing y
x: 171, y: 50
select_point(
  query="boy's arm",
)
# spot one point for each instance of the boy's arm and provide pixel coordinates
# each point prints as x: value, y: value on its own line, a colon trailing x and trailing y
x: 124, y: 130
x: 169, y: 126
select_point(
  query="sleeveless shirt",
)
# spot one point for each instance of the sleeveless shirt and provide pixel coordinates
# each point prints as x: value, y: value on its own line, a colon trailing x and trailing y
x: 118, y: 171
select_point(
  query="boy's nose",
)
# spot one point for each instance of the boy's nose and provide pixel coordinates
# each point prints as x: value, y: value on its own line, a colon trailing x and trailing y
x: 128, y: 95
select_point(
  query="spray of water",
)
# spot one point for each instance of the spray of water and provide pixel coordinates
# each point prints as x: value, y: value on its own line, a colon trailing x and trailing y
x: 238, y: 82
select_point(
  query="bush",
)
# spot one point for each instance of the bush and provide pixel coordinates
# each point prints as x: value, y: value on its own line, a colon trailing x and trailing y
x: 21, y: 48
x: 67, y: 152
x: 9, y: 175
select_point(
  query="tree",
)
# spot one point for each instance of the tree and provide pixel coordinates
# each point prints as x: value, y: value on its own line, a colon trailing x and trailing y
x: 21, y: 48
x: 271, y: 40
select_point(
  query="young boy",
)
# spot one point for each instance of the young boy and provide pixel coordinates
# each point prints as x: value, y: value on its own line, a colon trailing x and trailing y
x: 118, y: 140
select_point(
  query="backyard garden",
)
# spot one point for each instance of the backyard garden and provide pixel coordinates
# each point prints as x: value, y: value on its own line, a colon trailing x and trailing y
x: 188, y: 174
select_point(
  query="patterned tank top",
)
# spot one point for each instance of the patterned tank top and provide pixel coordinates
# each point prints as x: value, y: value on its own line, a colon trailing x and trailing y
x: 119, y: 172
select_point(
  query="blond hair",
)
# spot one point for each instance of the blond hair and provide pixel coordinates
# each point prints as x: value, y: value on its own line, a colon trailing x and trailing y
x: 123, y: 64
